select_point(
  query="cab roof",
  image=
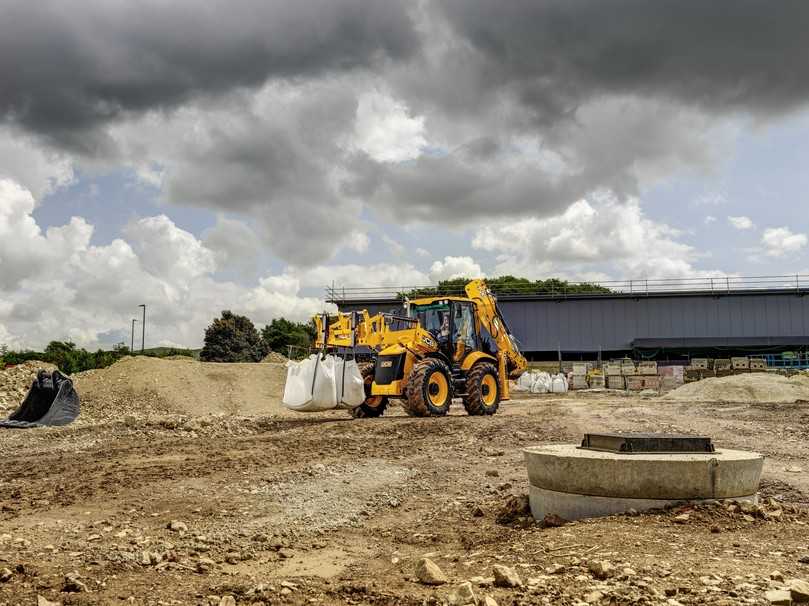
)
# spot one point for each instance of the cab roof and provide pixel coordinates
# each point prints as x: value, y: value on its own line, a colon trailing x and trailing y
x: 430, y: 300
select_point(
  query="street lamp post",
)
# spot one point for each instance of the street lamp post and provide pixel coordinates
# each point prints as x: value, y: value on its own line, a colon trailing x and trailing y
x: 143, y: 336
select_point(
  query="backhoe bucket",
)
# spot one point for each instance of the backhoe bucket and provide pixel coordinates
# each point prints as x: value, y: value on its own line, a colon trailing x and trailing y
x: 51, y: 401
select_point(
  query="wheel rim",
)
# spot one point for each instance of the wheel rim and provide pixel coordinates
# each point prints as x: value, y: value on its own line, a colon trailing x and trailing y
x: 437, y: 389
x: 488, y: 390
x: 372, y: 401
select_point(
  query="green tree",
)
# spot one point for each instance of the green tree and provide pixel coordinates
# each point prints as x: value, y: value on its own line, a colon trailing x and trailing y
x: 233, y: 338
x: 281, y: 332
x: 510, y: 285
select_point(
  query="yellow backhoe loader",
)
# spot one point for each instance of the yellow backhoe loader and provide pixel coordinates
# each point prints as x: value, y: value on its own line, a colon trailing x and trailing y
x: 442, y: 347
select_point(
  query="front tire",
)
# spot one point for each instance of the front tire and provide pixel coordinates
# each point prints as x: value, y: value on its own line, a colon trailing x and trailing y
x: 482, y: 390
x: 429, y: 389
x: 374, y: 406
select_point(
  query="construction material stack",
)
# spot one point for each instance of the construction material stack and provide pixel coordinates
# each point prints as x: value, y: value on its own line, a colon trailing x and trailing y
x: 615, y: 379
x: 579, y: 377
x: 722, y: 367
x: 698, y: 369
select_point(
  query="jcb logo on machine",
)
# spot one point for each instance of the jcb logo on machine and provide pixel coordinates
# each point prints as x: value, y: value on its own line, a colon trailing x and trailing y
x: 387, y: 363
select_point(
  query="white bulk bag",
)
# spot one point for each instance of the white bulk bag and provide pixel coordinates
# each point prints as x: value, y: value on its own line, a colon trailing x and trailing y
x: 525, y: 381
x: 350, y: 386
x: 542, y: 383
x: 559, y: 384
x: 311, y: 385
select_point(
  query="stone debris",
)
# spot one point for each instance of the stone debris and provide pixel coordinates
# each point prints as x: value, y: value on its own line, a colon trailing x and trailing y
x: 514, y: 508
x: 506, y: 577
x: 73, y: 584
x: 463, y: 595
x: 429, y: 573
x: 5, y: 575
x: 779, y: 597
x: 799, y: 590
x: 43, y: 601
x: 601, y: 569
x: 177, y: 526
x: 552, y: 520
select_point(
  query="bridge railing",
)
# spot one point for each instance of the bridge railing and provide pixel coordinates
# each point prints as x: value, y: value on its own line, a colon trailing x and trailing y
x: 555, y: 288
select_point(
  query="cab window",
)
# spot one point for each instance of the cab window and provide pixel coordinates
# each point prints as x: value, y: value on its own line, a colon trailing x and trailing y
x: 463, y: 330
x: 433, y: 318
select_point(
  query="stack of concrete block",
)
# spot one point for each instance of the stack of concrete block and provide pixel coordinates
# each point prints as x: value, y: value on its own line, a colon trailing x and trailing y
x: 671, y: 377
x: 740, y: 363
x: 578, y: 382
x: 615, y: 380
x: 723, y: 367
x: 700, y: 368
x: 596, y: 381
x: 638, y: 382
x: 651, y: 382
x: 647, y: 368
x: 578, y: 379
x: 628, y: 367
x: 635, y: 382
x: 757, y: 364
x: 699, y: 363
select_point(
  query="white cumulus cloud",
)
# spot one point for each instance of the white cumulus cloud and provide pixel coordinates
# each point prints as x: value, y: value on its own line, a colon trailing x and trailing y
x: 455, y: 267
x: 590, y: 239
x: 56, y: 284
x: 778, y: 241
x: 386, y: 131
x: 741, y: 222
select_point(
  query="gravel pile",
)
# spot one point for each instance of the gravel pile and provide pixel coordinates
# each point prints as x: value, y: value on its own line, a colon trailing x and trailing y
x: 753, y: 387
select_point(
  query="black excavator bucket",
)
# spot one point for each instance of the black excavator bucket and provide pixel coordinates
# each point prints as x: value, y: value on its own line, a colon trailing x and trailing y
x: 52, y: 400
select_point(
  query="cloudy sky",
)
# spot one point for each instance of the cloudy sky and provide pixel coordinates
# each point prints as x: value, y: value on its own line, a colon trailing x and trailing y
x: 200, y: 156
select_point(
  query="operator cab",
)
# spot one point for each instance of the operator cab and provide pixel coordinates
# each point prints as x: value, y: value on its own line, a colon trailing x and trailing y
x: 452, y: 323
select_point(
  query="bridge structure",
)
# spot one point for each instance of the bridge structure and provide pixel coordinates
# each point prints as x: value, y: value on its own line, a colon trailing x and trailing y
x: 714, y: 317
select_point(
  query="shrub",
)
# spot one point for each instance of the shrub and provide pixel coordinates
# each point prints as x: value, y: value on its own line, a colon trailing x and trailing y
x: 281, y: 332
x: 233, y: 338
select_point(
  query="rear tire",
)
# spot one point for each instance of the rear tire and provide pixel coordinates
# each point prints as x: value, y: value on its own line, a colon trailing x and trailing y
x: 374, y: 406
x: 482, y: 390
x: 429, y: 389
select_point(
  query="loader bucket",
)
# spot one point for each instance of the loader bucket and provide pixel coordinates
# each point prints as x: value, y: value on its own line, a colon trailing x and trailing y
x: 51, y: 401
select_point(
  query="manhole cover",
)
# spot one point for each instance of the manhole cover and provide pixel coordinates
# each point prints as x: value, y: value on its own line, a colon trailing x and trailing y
x: 635, y: 443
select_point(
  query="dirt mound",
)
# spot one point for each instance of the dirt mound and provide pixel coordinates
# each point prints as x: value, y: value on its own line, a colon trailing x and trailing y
x: 753, y: 387
x: 141, y: 384
x: 276, y: 357
x: 15, y: 381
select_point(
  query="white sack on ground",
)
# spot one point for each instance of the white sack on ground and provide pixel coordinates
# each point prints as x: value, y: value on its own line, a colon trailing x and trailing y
x: 525, y: 381
x: 559, y: 384
x: 542, y: 383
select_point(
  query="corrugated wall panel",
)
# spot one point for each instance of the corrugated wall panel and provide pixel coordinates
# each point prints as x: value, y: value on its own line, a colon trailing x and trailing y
x: 613, y: 323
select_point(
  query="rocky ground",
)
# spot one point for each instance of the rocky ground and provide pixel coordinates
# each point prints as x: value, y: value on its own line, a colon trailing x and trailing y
x: 154, y: 507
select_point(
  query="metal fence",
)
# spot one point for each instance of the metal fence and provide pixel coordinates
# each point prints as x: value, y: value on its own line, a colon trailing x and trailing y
x: 556, y: 288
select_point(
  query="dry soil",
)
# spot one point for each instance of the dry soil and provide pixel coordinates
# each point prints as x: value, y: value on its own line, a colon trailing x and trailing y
x: 272, y: 507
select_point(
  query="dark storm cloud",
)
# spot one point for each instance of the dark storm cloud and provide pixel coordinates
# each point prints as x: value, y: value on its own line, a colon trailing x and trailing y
x: 722, y: 55
x: 66, y: 67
